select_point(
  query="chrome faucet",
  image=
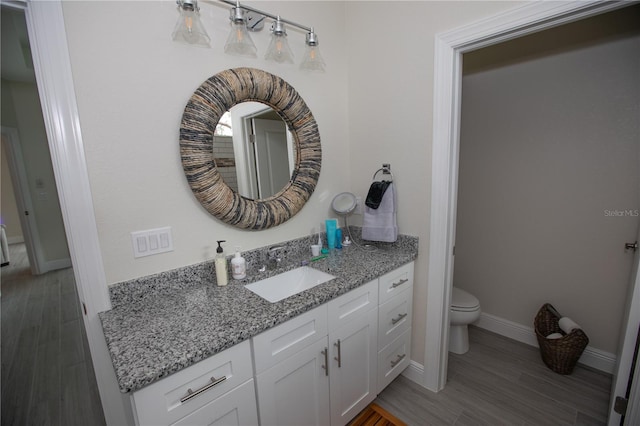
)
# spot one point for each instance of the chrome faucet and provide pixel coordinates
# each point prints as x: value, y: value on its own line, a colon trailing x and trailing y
x: 275, y: 257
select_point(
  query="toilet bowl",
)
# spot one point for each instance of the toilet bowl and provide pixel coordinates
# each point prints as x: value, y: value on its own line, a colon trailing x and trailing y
x: 465, y: 309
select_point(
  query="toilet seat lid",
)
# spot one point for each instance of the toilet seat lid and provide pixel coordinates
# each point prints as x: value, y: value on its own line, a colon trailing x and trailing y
x: 462, y: 300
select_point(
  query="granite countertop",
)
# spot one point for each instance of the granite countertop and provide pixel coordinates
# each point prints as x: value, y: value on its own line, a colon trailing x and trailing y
x: 164, y: 323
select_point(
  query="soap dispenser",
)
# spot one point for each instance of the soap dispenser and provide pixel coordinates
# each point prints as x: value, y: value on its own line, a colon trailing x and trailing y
x: 221, y: 265
x: 238, y: 266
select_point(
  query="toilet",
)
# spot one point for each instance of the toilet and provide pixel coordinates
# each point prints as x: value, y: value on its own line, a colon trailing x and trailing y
x: 465, y: 309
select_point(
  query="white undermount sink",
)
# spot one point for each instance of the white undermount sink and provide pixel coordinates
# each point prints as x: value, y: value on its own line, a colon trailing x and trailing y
x: 289, y: 283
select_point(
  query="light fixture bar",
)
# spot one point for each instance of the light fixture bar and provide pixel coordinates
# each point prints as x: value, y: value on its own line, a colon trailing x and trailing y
x: 267, y: 14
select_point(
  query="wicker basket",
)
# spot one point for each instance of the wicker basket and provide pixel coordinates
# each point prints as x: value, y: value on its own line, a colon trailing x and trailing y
x: 560, y: 355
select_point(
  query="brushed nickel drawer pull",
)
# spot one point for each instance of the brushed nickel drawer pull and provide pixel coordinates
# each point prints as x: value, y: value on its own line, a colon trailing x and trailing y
x: 339, y: 357
x: 397, y: 361
x: 394, y: 321
x: 399, y: 283
x: 325, y: 352
x: 190, y: 394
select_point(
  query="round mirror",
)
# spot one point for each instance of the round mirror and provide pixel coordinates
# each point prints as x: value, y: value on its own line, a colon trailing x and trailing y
x: 344, y: 203
x: 200, y: 161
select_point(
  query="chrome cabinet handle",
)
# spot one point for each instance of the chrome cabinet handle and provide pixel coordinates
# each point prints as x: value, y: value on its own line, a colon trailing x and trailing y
x: 397, y: 361
x: 394, y: 321
x: 325, y: 352
x: 399, y: 283
x: 190, y: 394
x: 339, y: 357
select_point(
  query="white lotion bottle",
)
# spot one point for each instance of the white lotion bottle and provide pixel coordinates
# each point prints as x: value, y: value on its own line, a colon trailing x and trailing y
x: 221, y: 266
x: 238, y: 266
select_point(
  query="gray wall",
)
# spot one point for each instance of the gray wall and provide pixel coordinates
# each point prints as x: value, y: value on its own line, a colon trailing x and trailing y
x: 21, y: 110
x: 549, y: 153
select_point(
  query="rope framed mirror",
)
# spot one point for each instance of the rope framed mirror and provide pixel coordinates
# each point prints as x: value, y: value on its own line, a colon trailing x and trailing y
x: 201, y: 115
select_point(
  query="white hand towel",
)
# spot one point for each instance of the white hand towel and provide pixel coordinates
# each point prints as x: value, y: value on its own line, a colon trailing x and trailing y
x: 554, y: 336
x: 380, y: 224
x: 567, y: 325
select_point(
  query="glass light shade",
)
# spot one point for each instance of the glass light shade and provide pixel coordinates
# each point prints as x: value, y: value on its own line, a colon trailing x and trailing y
x: 279, y: 50
x: 239, y: 41
x: 189, y: 28
x: 312, y: 60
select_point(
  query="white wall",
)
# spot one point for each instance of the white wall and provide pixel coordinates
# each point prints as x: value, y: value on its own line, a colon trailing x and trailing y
x: 549, y: 143
x: 391, y: 51
x: 132, y: 83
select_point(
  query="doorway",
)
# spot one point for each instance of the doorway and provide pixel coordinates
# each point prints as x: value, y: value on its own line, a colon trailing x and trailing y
x: 549, y: 178
x: 47, y: 372
x: 25, y: 142
x: 450, y: 46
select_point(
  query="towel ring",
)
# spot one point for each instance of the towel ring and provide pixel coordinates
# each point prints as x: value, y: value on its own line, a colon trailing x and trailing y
x: 386, y: 170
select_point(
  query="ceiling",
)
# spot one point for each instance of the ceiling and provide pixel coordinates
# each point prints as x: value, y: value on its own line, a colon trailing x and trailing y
x: 15, y: 59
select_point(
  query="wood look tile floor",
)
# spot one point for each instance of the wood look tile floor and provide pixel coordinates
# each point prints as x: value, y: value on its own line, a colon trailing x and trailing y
x: 47, y: 374
x: 502, y: 382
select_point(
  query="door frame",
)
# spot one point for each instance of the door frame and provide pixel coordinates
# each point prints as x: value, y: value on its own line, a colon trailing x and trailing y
x: 449, y: 48
x: 23, y: 199
x: 52, y: 65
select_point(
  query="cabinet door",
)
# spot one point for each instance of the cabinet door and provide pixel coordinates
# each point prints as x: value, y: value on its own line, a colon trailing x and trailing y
x: 352, y: 304
x: 353, y: 367
x: 296, y: 391
x: 279, y: 343
x: 235, y: 408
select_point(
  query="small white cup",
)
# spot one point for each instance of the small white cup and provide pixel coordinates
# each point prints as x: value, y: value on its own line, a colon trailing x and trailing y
x: 315, y: 249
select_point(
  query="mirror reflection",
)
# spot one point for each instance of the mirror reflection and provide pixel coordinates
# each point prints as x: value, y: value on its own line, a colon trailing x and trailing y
x: 254, y: 151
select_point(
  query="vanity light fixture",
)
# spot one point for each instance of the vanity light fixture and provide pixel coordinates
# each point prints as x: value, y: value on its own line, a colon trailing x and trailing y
x: 189, y: 28
x: 245, y: 19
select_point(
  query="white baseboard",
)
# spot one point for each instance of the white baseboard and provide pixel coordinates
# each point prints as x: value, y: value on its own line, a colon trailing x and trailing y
x: 591, y: 357
x: 415, y: 373
x: 53, y: 265
x: 15, y: 239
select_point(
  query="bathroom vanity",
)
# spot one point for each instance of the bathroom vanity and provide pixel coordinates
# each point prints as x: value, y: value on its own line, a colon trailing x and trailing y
x: 190, y: 352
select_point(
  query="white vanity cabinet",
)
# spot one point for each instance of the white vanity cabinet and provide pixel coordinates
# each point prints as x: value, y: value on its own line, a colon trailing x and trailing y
x: 319, y: 368
x: 353, y: 329
x: 333, y: 377
x: 292, y: 379
x: 394, y: 324
x: 218, y: 390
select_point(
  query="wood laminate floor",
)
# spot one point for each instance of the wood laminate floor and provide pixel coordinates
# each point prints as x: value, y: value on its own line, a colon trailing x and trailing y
x: 502, y: 382
x: 47, y: 374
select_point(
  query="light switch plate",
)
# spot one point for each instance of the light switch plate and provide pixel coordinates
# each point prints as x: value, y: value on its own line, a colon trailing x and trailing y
x: 151, y: 241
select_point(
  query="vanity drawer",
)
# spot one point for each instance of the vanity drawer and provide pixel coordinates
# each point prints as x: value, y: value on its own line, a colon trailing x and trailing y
x: 394, y: 317
x: 344, y: 308
x: 284, y: 340
x: 395, y: 281
x: 235, y: 408
x: 393, y: 359
x: 160, y: 403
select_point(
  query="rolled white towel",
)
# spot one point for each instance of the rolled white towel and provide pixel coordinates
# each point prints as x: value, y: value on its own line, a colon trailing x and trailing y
x: 567, y: 325
x: 554, y: 336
